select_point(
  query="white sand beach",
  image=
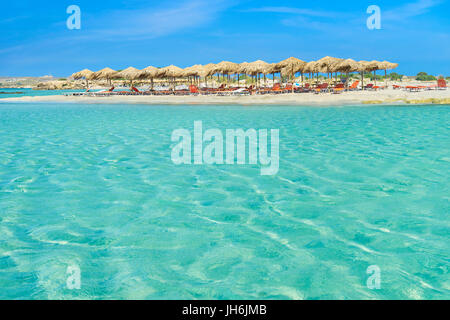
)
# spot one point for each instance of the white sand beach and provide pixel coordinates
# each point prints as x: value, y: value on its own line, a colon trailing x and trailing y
x: 387, y: 96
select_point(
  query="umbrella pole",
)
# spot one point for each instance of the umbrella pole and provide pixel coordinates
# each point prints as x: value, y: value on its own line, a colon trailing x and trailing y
x: 362, y: 80
x: 375, y: 76
x: 293, y: 80
x: 385, y: 77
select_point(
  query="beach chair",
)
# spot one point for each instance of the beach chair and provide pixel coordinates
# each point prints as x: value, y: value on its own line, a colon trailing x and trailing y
x: 194, y: 90
x: 132, y: 91
x: 221, y: 88
x: 217, y: 91
x: 321, y: 88
x: 135, y: 90
x: 251, y: 89
x: 306, y: 88
x: 369, y: 86
x: 338, y: 88
x: 163, y: 92
x: 240, y: 91
x: 276, y: 89
x: 354, y: 86
x: 104, y: 92
x: 396, y: 87
x: 441, y: 84
x: 412, y: 88
x: 181, y: 92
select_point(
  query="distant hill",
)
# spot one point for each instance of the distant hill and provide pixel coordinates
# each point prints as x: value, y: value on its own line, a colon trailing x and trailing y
x: 23, y: 82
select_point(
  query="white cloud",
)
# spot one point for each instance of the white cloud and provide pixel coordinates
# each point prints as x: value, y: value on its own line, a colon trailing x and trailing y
x: 129, y: 25
x: 297, y: 11
x: 152, y: 23
x: 410, y: 10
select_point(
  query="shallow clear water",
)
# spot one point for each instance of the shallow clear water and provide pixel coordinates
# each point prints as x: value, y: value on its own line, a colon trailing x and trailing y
x: 27, y: 92
x: 94, y: 186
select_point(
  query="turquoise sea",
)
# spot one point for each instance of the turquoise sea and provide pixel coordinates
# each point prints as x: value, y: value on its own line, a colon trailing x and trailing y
x: 93, y: 186
x: 28, y: 92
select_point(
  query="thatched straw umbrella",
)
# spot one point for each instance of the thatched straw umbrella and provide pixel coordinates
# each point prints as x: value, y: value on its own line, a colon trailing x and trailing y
x: 171, y: 72
x: 243, y: 66
x: 273, y: 68
x: 149, y: 73
x: 291, y: 66
x: 226, y: 68
x: 375, y: 65
x: 106, y: 73
x: 209, y: 68
x: 386, y: 65
x: 347, y: 66
x: 256, y: 68
x: 206, y: 71
x: 129, y: 73
x: 192, y: 72
x: 312, y: 68
x: 328, y: 65
x: 83, y: 74
x: 368, y: 66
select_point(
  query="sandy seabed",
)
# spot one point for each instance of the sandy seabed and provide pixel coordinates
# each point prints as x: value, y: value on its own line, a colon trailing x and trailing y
x: 388, y: 96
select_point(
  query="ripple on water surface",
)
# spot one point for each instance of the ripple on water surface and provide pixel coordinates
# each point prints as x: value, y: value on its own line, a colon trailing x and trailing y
x: 94, y: 186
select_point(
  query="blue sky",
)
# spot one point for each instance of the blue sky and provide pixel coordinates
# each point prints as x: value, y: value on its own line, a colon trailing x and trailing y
x: 35, y: 40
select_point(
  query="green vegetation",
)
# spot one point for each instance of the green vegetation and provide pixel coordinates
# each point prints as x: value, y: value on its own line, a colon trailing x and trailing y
x: 394, y: 76
x: 372, y: 77
x: 423, y: 76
